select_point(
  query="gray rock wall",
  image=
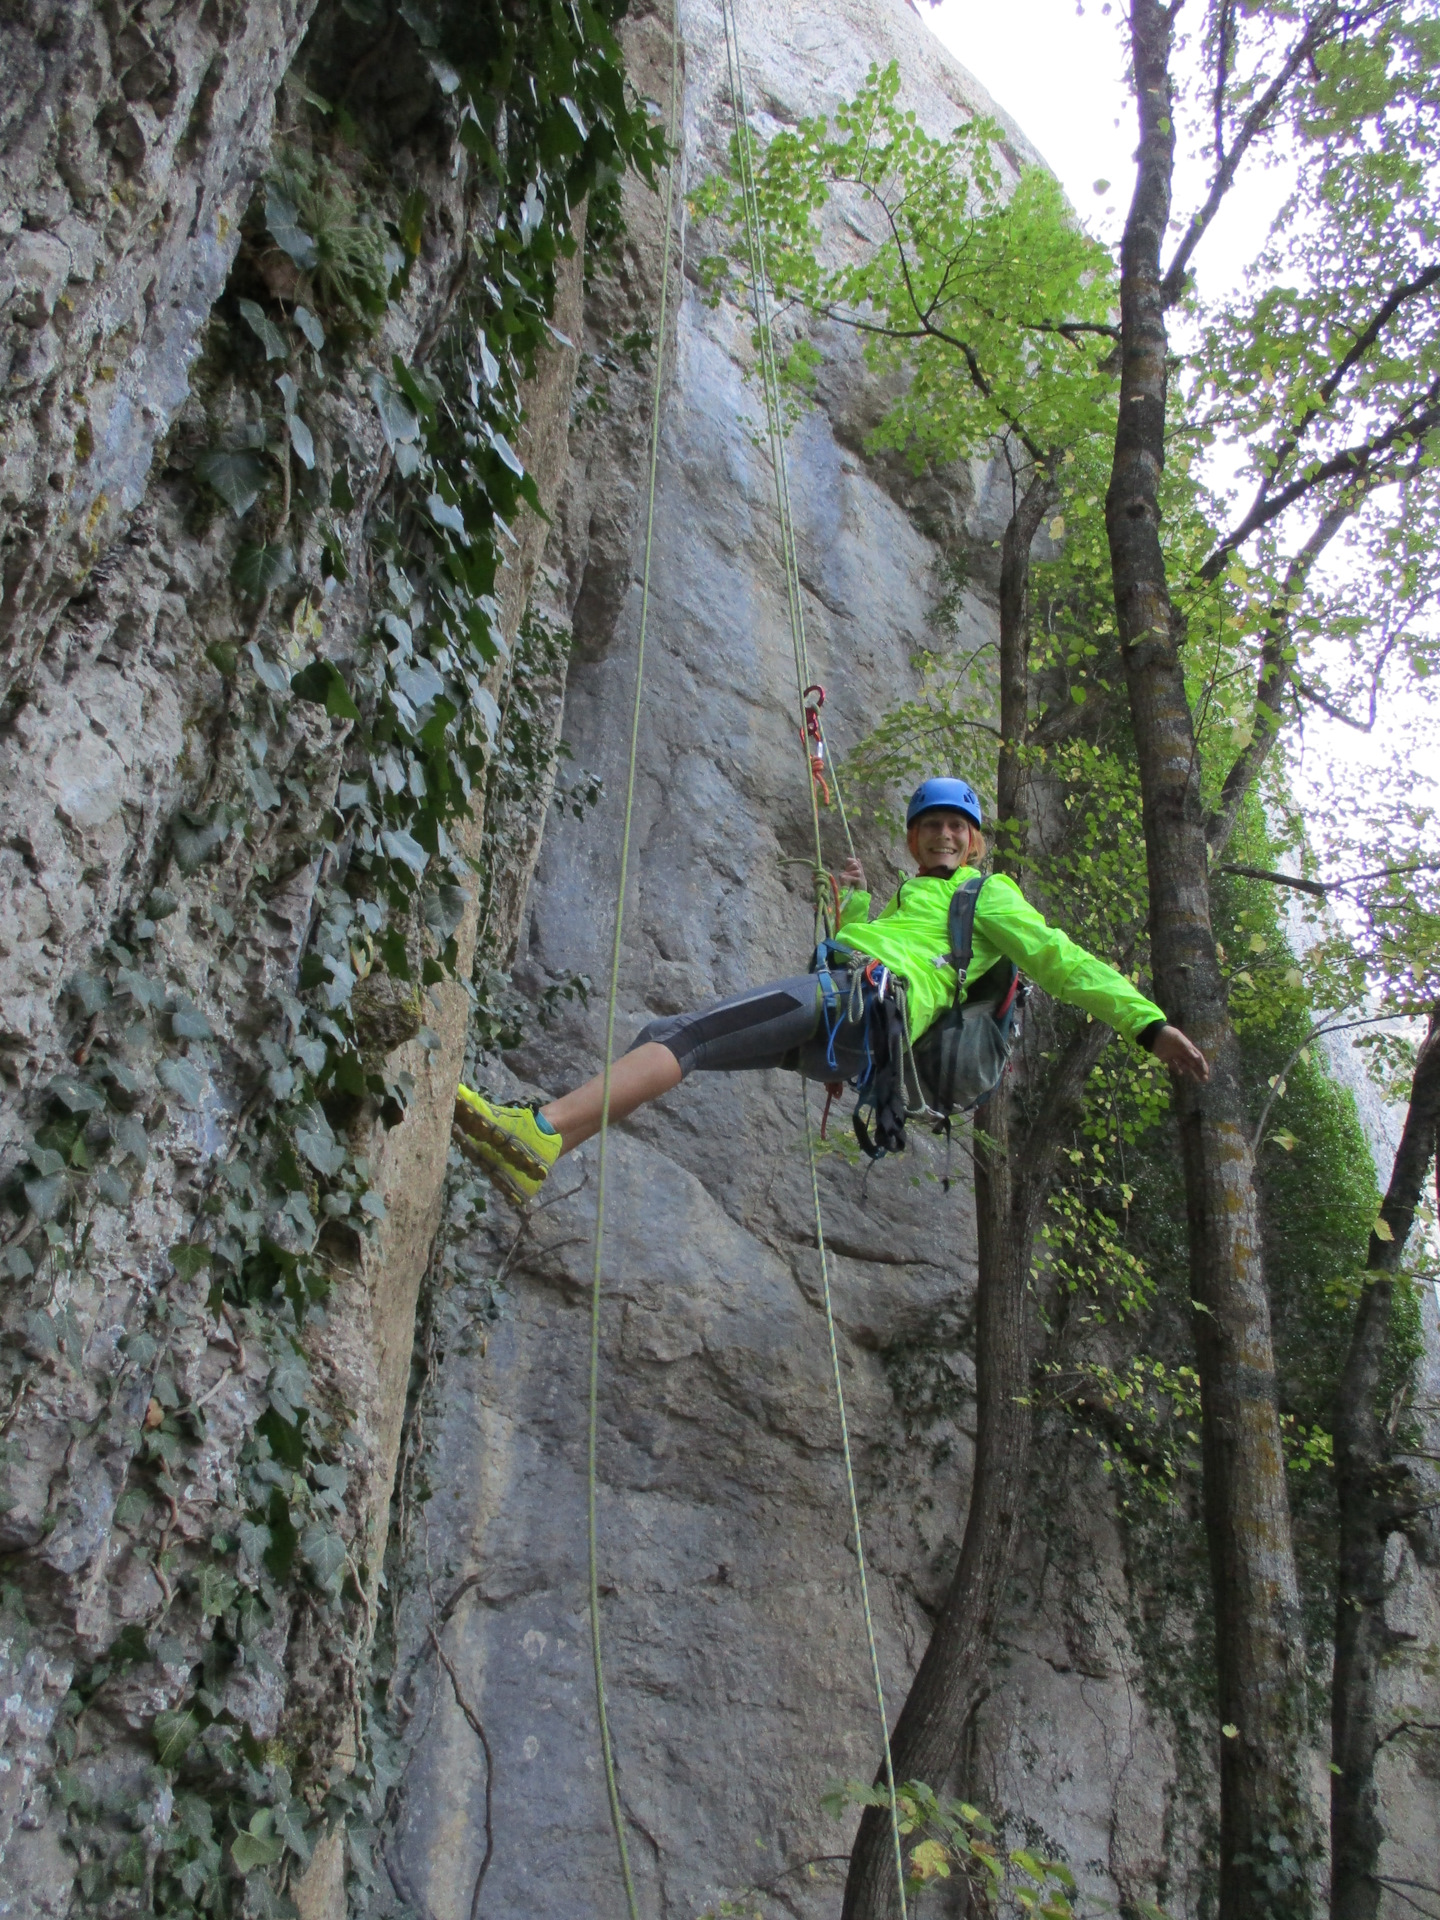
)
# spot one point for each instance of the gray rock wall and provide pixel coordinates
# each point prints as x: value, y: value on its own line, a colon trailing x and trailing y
x: 738, y: 1674
x: 132, y: 144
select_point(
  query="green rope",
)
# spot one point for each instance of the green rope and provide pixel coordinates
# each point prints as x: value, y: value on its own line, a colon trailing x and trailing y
x: 775, y: 424
x: 617, y: 1818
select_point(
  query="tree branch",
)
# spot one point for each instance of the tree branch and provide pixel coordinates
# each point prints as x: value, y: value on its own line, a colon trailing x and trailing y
x: 1254, y: 123
x: 1275, y: 672
x: 1317, y: 887
x: 1354, y: 461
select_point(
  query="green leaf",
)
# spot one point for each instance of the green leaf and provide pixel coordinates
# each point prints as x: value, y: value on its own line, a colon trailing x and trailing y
x: 44, y: 1196
x: 309, y: 326
x: 195, y: 840
x: 254, y: 1541
x: 259, y: 569
x: 265, y: 330
x: 397, y: 422
x: 507, y: 453
x: 444, y: 515
x: 78, y: 1096
x: 288, y: 1384
x: 318, y: 1144
x: 280, y: 1554
x: 290, y: 1825
x: 174, y: 1733
x: 302, y: 441
x: 215, y: 1589
x: 287, y: 233
x: 405, y: 848
x: 188, y: 1260
x: 187, y: 1024
x: 237, y: 477
x: 251, y: 1850
x: 321, y: 683
x: 113, y: 1187
x: 324, y: 1550
x: 181, y: 1079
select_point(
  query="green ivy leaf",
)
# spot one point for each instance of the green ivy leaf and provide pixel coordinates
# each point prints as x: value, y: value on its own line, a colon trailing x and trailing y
x: 302, y: 440
x: 251, y: 1850
x: 265, y: 330
x: 321, y: 682
x: 311, y: 328
x: 288, y: 1384
x: 324, y: 1550
x: 187, y: 1024
x: 258, y: 570
x: 174, y: 1733
x: 77, y: 1096
x: 196, y: 838
x: 403, y: 847
x: 237, y: 477
x: 284, y: 1540
x: 215, y: 1589
x: 318, y: 1144
x: 444, y: 515
x: 181, y: 1079
x: 44, y: 1196
x: 285, y: 229
x: 268, y: 672
x: 397, y: 422
x: 290, y: 1825
x: 254, y: 1541
x: 129, y: 1136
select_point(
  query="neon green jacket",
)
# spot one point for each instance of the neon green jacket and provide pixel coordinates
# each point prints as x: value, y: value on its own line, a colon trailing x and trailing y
x: 911, y: 934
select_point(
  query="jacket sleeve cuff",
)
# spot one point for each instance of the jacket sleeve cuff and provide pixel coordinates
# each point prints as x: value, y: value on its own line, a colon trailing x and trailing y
x: 1148, y: 1035
x: 854, y: 906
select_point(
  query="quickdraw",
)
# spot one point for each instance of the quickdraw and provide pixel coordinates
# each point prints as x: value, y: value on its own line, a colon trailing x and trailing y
x: 813, y: 737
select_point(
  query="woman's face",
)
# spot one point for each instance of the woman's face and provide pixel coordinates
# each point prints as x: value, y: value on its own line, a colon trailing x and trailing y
x: 940, y: 838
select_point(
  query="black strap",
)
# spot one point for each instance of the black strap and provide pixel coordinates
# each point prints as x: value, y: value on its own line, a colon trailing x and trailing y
x: 961, y: 928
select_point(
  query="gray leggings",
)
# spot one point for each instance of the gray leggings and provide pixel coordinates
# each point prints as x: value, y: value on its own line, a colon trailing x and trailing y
x: 778, y: 1025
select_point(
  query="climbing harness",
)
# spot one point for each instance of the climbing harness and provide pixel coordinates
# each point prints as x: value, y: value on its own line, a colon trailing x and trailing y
x: 804, y: 681
x: 617, y: 1818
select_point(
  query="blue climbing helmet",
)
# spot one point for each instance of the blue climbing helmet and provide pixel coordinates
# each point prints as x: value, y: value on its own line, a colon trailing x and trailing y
x: 930, y: 795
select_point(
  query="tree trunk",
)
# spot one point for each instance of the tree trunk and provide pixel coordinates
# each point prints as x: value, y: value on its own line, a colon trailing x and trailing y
x: 1013, y: 1171
x: 1009, y: 1191
x: 1266, y: 1822
x: 1371, y: 1503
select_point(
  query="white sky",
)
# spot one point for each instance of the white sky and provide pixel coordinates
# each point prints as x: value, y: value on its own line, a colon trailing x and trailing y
x: 1059, y: 71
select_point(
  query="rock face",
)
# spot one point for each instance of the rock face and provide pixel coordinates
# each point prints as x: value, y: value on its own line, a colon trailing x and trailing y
x: 737, y: 1665
x: 738, y: 1675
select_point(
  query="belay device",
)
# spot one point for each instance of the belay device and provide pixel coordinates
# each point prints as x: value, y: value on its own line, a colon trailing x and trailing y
x: 963, y: 1053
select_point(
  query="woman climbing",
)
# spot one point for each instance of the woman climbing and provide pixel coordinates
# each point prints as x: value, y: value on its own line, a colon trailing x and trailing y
x: 813, y: 1023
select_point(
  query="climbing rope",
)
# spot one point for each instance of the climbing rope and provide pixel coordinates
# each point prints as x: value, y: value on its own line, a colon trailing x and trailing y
x: 617, y: 1817
x: 804, y: 686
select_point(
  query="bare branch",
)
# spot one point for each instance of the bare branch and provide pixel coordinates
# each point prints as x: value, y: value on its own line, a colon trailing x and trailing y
x: 1252, y: 126
x: 1322, y: 889
x: 1317, y: 887
x: 1410, y: 430
x: 1398, y: 297
x: 1274, y: 674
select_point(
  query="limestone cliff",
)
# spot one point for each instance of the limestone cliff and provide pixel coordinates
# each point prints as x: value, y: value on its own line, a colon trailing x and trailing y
x: 152, y: 836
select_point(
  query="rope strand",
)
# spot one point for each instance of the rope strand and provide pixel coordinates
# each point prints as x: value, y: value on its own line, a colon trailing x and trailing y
x: 617, y: 1817
x: 774, y: 415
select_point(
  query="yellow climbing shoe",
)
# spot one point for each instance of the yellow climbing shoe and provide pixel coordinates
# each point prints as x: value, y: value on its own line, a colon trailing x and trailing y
x: 509, y: 1142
